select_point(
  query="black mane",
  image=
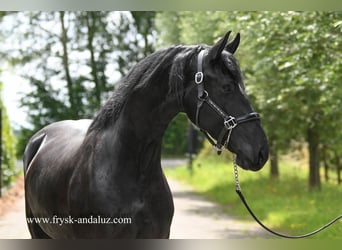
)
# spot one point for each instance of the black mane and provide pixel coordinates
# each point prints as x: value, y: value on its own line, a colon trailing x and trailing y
x: 150, y: 70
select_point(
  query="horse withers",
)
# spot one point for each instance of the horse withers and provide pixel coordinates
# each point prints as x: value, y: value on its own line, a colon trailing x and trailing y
x: 82, y: 176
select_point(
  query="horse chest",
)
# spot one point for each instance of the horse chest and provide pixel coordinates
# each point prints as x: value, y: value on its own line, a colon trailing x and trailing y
x: 154, y: 215
x: 148, y: 209
x: 152, y: 210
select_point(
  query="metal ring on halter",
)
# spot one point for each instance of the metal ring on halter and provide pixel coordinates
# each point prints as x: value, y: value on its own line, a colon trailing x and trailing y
x: 204, y: 96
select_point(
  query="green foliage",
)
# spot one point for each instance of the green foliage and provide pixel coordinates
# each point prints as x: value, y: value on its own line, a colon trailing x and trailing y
x: 167, y: 26
x: 292, y: 67
x: 8, y: 142
x: 284, y: 205
x: 195, y: 28
x: 135, y: 38
x: 298, y: 65
x: 174, y: 140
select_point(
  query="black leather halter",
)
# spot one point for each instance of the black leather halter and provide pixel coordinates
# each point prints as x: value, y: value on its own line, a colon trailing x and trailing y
x: 229, y: 122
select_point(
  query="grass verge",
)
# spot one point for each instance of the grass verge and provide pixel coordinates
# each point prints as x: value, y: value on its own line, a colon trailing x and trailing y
x: 284, y: 205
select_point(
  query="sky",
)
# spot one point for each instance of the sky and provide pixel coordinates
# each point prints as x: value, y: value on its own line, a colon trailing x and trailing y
x: 14, y: 87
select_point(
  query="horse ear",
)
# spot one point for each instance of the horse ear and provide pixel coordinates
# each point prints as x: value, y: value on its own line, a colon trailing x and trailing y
x: 233, y: 45
x: 216, y: 50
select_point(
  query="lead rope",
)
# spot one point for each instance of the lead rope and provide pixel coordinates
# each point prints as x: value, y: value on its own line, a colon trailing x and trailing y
x: 239, y: 192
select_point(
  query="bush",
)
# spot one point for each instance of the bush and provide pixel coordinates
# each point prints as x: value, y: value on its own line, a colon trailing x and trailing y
x: 8, y: 143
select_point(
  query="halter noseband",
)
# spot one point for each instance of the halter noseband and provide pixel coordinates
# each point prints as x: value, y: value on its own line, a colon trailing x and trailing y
x: 229, y: 122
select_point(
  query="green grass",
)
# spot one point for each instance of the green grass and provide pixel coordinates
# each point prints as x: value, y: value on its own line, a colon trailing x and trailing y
x: 284, y: 205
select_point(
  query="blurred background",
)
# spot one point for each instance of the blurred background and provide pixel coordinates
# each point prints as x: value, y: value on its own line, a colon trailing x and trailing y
x: 64, y: 65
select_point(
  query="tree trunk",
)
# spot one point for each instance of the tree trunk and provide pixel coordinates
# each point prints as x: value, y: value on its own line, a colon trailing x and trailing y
x: 91, y: 25
x: 325, y: 163
x: 65, y: 59
x: 274, y: 172
x: 314, y: 177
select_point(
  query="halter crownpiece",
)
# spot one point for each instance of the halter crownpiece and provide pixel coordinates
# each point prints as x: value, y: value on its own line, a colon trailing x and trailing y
x: 229, y: 122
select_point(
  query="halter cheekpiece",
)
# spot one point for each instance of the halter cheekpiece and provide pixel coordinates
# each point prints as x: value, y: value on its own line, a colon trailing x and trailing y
x: 229, y: 122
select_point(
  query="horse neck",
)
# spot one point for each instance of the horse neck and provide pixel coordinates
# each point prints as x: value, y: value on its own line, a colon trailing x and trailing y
x: 131, y: 125
x: 138, y: 131
x: 148, y: 114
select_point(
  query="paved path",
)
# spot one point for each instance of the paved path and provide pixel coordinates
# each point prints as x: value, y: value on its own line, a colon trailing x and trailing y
x: 197, y: 218
x: 13, y: 223
x: 194, y: 218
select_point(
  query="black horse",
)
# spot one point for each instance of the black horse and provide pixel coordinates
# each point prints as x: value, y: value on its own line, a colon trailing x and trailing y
x: 110, y: 167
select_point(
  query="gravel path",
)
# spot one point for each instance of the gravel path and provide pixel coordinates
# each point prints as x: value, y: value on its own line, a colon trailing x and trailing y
x: 194, y: 218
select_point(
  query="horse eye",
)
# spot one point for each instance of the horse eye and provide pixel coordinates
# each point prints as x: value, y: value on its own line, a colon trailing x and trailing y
x: 228, y: 88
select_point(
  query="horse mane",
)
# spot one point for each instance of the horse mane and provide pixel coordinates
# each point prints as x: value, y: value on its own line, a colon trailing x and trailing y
x: 148, y: 71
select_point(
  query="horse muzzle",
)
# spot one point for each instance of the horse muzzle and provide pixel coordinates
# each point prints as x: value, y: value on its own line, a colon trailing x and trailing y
x: 252, y: 163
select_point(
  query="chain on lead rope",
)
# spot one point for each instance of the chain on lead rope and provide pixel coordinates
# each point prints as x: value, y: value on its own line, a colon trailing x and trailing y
x: 236, y: 174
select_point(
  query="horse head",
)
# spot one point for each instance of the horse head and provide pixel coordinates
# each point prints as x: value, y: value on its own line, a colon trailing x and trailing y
x: 216, y: 101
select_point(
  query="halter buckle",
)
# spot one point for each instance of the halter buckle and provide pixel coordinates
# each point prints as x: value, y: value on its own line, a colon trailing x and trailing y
x: 230, y: 122
x: 199, y: 77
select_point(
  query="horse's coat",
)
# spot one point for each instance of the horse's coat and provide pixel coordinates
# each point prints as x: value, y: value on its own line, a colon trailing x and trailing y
x: 110, y: 167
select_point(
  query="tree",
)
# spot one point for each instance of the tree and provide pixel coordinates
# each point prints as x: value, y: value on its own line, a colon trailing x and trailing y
x: 144, y: 25
x: 70, y: 59
x: 94, y: 35
x: 292, y: 69
x: 8, y: 169
x: 302, y: 50
x: 167, y: 26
